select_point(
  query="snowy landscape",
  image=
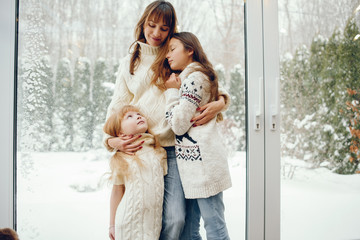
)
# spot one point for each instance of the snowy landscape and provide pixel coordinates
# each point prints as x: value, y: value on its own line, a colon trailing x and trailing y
x: 65, y: 196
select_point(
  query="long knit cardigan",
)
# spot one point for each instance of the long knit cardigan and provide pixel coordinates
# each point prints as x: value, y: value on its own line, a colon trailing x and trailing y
x: 201, y: 156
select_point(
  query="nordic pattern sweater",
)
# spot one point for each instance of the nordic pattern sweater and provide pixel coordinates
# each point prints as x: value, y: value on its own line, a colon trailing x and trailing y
x: 201, y: 158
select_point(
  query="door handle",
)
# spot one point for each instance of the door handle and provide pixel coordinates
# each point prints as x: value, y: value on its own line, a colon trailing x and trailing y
x: 274, y: 107
x: 258, y: 107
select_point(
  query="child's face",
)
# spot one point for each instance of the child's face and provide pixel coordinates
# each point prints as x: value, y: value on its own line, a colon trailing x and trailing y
x: 177, y: 56
x: 155, y: 32
x: 133, y: 123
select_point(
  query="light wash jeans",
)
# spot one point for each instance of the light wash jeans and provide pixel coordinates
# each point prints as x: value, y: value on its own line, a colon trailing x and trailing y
x: 174, y: 206
x: 211, y: 209
x: 181, y: 217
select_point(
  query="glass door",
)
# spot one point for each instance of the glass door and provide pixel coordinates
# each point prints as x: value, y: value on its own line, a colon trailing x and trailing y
x: 319, y: 99
x: 68, y: 55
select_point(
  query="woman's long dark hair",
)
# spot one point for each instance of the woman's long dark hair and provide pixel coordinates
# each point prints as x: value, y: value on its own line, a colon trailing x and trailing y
x: 157, y: 10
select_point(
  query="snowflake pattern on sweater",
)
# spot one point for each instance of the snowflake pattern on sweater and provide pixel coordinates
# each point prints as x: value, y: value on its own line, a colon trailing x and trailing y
x: 186, y: 147
x: 197, y: 153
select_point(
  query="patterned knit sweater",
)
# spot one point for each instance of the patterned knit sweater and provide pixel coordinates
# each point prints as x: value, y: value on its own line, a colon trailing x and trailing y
x: 139, y: 213
x: 201, y: 158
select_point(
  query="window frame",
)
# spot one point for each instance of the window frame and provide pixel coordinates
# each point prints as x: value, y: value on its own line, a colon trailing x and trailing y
x: 7, y: 99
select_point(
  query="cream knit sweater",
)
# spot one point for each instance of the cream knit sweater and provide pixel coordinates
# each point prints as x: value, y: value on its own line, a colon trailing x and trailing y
x: 201, y: 157
x: 139, y: 213
x: 137, y: 90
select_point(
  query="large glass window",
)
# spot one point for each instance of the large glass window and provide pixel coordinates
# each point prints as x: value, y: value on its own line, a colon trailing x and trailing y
x: 68, y: 55
x: 320, y: 79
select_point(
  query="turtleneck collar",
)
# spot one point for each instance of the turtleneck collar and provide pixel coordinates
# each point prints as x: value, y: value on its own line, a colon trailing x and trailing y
x: 147, y: 49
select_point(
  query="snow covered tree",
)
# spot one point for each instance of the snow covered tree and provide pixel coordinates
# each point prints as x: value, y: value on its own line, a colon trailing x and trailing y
x: 101, y: 97
x: 236, y: 111
x: 349, y: 52
x: 83, y: 108
x: 314, y: 91
x: 46, y: 111
x: 233, y: 125
x: 35, y: 83
x: 295, y: 115
x: 63, y: 110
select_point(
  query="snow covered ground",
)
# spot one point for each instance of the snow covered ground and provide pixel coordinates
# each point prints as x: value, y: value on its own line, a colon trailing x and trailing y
x: 60, y: 198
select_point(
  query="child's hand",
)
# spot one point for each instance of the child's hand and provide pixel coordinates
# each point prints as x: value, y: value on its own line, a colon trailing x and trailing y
x: 112, y: 233
x: 173, y: 82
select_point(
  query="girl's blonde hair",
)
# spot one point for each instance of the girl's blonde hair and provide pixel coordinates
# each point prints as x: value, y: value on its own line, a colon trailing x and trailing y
x: 157, y: 10
x: 112, y: 127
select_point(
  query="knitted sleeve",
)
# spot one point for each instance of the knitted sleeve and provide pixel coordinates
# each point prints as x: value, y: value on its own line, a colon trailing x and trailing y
x: 181, y: 109
x: 122, y: 96
x: 225, y: 94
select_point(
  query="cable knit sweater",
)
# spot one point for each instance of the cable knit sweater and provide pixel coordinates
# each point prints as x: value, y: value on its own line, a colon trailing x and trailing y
x: 139, y: 213
x: 201, y: 158
x: 137, y: 90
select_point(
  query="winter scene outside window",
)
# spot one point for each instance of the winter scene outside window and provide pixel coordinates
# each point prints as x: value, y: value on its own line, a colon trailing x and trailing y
x: 320, y: 87
x: 68, y: 55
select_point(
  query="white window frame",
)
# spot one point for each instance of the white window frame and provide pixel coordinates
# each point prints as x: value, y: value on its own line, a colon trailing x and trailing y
x: 7, y: 71
x: 272, y: 118
x: 263, y: 148
x: 263, y: 142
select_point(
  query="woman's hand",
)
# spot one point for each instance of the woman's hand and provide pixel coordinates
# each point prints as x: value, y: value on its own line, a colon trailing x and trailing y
x: 112, y: 232
x: 209, y: 111
x: 124, y: 143
x: 173, y: 82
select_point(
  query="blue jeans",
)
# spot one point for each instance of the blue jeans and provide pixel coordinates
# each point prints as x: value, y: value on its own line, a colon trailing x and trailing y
x: 181, y: 217
x: 174, y: 206
x: 211, y: 209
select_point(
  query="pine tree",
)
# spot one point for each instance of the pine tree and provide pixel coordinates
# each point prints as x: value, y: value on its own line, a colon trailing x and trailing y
x: 83, y: 108
x: 312, y: 86
x: 63, y: 120
x: 46, y: 111
x: 101, y: 97
x: 294, y: 110
x: 236, y: 111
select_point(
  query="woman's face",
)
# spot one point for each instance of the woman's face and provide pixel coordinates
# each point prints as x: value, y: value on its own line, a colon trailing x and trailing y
x: 155, y: 32
x: 177, y: 56
x: 133, y: 123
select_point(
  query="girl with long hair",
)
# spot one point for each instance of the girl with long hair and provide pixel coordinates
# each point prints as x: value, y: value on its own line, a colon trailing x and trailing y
x: 198, y: 150
x: 137, y: 212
